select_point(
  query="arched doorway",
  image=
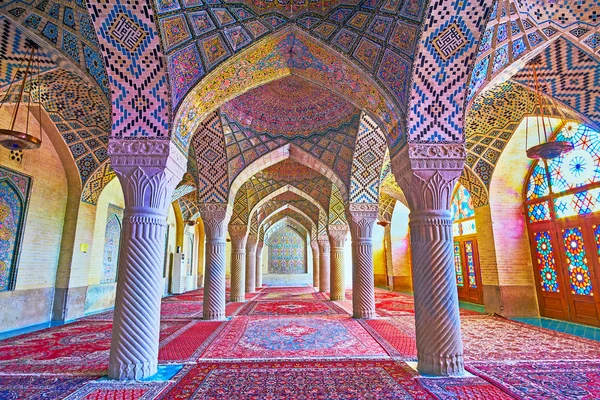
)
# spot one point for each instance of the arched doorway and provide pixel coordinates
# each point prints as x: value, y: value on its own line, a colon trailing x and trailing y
x: 466, y: 254
x: 562, y: 203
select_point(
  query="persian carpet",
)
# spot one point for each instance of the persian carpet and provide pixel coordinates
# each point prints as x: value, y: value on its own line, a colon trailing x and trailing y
x: 189, y: 342
x: 34, y: 387
x: 112, y: 390
x: 463, y: 388
x: 232, y: 309
x: 181, y: 309
x: 299, y: 380
x: 397, y: 343
x: 543, y: 380
x: 292, y: 307
x: 285, y: 337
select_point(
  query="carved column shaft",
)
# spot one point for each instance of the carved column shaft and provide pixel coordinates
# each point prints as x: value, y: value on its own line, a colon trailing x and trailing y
x: 251, y: 263
x: 148, y: 174
x: 215, y: 220
x: 238, y: 263
x: 427, y: 175
x: 362, y: 218
x: 314, y: 245
x: 337, y: 238
x: 259, y: 249
x: 324, y: 267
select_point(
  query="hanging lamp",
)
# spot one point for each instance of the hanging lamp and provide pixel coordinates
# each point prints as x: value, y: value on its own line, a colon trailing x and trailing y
x: 11, y: 137
x: 548, y: 149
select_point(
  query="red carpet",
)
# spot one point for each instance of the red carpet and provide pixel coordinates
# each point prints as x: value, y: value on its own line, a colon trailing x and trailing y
x: 186, y: 345
x: 299, y: 380
x: 291, y: 307
x: 285, y: 337
x: 463, y: 388
x: 396, y: 342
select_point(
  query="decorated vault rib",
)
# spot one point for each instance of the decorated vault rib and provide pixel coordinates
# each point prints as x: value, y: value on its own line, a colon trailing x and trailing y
x: 289, y: 215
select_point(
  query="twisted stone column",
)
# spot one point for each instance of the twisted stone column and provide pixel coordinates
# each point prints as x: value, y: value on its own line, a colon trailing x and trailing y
x: 314, y: 245
x: 337, y: 238
x: 251, y: 263
x: 148, y: 174
x: 324, y: 253
x: 427, y: 175
x: 362, y: 218
x: 215, y: 218
x: 238, y: 262
x: 259, y: 248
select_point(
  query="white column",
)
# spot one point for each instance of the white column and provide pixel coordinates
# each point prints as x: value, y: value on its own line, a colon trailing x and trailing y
x: 337, y: 238
x: 148, y: 172
x: 215, y: 218
x: 251, y: 244
x: 324, y: 254
x: 314, y: 245
x: 259, y: 249
x: 238, y: 262
x: 427, y: 175
x: 362, y: 217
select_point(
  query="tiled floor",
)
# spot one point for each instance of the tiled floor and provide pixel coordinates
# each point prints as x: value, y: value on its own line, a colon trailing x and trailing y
x: 584, y: 331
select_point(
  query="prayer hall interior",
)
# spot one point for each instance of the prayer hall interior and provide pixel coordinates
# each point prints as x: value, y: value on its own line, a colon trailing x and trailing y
x: 300, y: 199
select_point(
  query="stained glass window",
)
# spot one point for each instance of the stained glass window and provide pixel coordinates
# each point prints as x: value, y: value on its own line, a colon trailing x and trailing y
x: 538, y: 212
x: 470, y: 264
x: 458, y: 265
x: 545, y: 259
x: 581, y: 203
x: 579, y: 274
x: 462, y: 208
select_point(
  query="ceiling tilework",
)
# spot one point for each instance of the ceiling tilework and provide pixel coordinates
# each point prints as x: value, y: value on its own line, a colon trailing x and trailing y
x: 209, y: 148
x: 564, y: 13
x: 287, y: 215
x: 219, y: 30
x: 479, y: 192
x: 65, y: 27
x: 189, y: 206
x: 568, y: 74
x: 289, y: 107
x: 334, y: 147
x: 187, y: 185
x: 288, y: 218
x: 367, y: 162
x: 96, y: 182
x: 337, y: 209
x: 386, y: 207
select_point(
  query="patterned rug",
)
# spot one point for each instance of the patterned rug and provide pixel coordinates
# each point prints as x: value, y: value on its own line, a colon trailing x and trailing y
x: 181, y: 309
x: 544, y: 380
x: 301, y: 337
x: 18, y: 387
x: 292, y: 307
x: 463, y: 388
x: 189, y: 342
x: 397, y: 343
x: 299, y: 380
x: 111, y: 390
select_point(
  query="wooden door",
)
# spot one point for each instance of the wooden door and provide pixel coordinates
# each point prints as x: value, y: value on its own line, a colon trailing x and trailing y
x: 466, y: 258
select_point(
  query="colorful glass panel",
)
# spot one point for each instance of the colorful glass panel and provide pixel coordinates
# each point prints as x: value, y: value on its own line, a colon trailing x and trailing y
x: 112, y: 242
x: 287, y: 251
x: 455, y: 229
x: 546, y: 261
x: 538, y: 212
x: 470, y: 264
x: 597, y: 238
x: 468, y: 227
x: 579, y: 167
x: 460, y: 281
x: 579, y: 274
x: 538, y: 183
x: 577, y: 204
x: 462, y: 203
x: 11, y: 218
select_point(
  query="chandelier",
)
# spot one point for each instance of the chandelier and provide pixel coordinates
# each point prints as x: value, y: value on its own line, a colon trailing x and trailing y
x: 18, y: 96
x: 545, y: 150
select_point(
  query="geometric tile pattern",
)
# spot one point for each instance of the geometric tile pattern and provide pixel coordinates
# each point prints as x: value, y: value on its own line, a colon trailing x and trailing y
x: 189, y: 206
x: 209, y: 147
x: 571, y: 76
x: 62, y: 27
x: 337, y: 210
x: 445, y: 57
x: 386, y: 207
x: 288, y: 217
x: 138, y: 77
x: 360, y: 29
x: 96, y: 182
x: 563, y: 13
x: 334, y: 147
x: 367, y: 162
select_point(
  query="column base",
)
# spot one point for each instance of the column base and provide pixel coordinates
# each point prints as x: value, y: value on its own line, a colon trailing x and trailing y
x: 211, y: 316
x: 123, y: 371
x: 337, y: 298
x: 365, y: 314
x: 438, y: 365
x: 237, y: 299
x: 251, y: 291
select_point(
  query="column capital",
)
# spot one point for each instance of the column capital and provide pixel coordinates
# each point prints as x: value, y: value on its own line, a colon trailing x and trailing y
x: 361, y: 218
x: 314, y: 244
x: 427, y: 173
x: 337, y: 234
x: 238, y: 236
x: 252, y: 241
x: 215, y: 218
